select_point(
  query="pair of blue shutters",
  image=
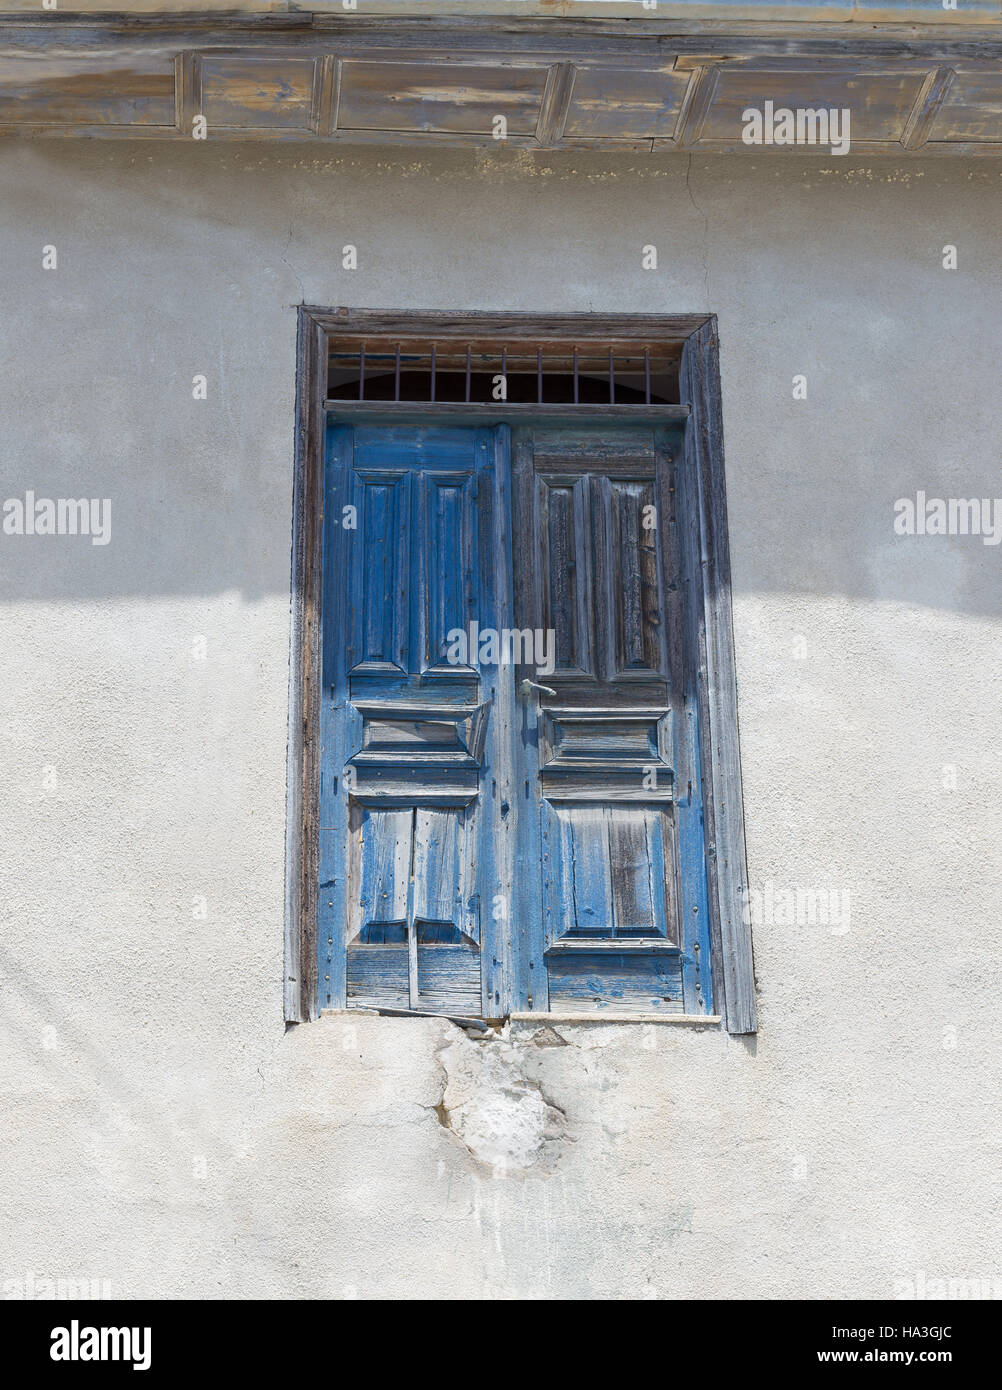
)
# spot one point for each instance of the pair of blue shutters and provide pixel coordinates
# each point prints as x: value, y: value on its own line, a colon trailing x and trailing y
x: 511, y: 813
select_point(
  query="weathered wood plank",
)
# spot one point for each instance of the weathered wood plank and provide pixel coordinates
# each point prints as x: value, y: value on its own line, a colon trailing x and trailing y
x: 699, y: 94
x: 530, y: 823
x: 554, y: 106
x: 471, y: 325
x: 412, y: 411
x: 496, y: 883
x: 930, y: 99
x: 305, y: 727
x: 703, y: 460
x: 624, y: 982
x: 326, y: 95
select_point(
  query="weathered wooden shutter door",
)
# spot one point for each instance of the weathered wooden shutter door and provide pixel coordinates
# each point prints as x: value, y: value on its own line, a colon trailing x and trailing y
x: 415, y: 547
x: 610, y: 905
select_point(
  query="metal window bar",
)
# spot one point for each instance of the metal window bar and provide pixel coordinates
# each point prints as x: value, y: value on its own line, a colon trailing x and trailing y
x: 574, y: 371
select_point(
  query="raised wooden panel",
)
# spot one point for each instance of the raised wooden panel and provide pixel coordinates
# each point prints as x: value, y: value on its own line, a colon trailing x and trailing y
x: 412, y: 864
x: 606, y: 757
x: 584, y: 740
x: 879, y: 102
x: 257, y: 94
x: 113, y: 89
x: 616, y: 452
x: 445, y: 869
x: 395, y: 735
x: 972, y: 108
x: 413, y: 869
x: 612, y: 872
x: 642, y: 865
x: 625, y: 103
x: 636, y: 612
x: 446, y: 97
x: 596, y: 538
x: 449, y: 528
x: 428, y: 737
x: 380, y: 630
x: 564, y: 548
x: 421, y: 756
x: 379, y: 863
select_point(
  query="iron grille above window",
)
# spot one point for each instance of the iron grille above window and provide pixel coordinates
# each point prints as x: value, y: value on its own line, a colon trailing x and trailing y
x: 486, y: 372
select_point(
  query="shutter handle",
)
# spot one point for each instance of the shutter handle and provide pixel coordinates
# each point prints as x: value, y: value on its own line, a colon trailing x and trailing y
x: 528, y: 686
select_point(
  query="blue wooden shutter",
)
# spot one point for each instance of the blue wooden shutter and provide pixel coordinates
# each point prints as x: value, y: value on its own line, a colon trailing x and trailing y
x: 415, y: 536
x: 612, y: 903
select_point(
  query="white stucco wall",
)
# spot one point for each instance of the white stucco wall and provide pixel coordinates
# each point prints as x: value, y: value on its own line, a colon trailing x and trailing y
x: 162, y: 1130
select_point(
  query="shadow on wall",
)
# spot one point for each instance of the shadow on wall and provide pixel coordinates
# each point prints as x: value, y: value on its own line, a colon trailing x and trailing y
x: 151, y: 371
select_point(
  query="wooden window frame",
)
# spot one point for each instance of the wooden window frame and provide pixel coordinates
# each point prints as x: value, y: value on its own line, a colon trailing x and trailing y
x: 703, y: 470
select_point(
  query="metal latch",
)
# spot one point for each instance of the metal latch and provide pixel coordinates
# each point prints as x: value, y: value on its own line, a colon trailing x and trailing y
x: 528, y: 686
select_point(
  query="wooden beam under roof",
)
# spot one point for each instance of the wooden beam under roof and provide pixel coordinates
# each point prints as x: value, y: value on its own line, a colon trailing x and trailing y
x: 601, y: 85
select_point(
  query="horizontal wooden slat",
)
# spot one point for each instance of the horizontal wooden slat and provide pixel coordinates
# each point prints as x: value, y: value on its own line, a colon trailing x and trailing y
x: 639, y: 945
x: 504, y: 410
x: 450, y: 354
x: 605, y: 1016
x: 470, y: 326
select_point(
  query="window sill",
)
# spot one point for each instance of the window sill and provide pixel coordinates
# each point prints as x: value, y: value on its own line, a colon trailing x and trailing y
x: 689, y: 1020
x: 686, y: 1020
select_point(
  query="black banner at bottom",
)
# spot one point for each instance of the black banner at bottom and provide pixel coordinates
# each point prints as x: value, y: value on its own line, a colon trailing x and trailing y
x: 308, y: 1341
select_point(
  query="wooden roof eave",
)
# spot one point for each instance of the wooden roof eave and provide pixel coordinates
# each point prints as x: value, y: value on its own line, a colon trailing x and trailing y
x: 934, y: 88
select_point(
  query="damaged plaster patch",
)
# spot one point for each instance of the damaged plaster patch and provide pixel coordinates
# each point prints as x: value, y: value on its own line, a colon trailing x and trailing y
x: 496, y: 1108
